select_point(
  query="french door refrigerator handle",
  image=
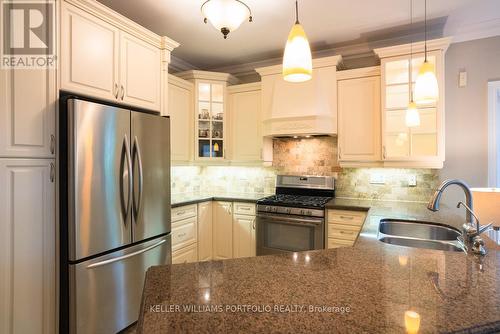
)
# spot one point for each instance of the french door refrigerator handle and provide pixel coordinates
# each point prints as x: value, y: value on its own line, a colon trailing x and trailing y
x: 137, y: 155
x: 126, y: 155
x: 116, y: 259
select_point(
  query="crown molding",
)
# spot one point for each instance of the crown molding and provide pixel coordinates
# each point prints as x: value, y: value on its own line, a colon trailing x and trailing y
x: 480, y: 30
x: 362, y: 72
x: 249, y: 87
x: 175, y: 80
x: 207, y: 75
x: 440, y: 44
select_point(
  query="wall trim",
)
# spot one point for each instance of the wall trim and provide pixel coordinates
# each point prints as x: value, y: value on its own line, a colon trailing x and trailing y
x: 493, y: 133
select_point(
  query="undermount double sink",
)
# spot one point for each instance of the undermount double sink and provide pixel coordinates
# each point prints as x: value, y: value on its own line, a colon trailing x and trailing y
x: 419, y: 234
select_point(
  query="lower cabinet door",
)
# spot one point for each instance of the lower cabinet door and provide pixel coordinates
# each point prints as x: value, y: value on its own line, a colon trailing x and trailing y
x: 187, y: 254
x: 243, y: 236
x: 27, y: 246
x: 223, y: 230
x: 205, y: 231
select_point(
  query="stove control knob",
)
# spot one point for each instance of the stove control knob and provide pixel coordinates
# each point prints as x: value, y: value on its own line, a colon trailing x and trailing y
x: 309, y: 212
x: 302, y: 212
x: 288, y: 210
x: 268, y: 208
x: 274, y: 209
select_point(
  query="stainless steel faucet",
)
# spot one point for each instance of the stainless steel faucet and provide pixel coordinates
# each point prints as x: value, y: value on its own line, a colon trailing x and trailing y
x: 470, y: 233
x: 436, y: 198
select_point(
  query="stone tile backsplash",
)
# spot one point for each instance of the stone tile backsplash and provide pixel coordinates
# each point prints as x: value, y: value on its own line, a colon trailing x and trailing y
x: 306, y: 156
x: 355, y: 183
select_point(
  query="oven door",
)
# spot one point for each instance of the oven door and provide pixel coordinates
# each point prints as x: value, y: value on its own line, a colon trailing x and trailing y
x: 282, y: 233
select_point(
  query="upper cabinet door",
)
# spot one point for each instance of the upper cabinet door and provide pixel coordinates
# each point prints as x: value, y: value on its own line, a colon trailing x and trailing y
x: 140, y: 73
x: 27, y: 113
x: 359, y: 119
x: 246, y: 125
x: 180, y: 110
x: 89, y: 54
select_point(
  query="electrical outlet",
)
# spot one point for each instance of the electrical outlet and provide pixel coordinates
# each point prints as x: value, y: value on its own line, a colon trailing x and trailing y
x: 412, y: 180
x: 462, y: 79
x: 377, y: 178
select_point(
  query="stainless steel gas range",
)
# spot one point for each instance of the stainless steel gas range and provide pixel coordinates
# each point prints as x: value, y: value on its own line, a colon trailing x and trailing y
x: 294, y: 219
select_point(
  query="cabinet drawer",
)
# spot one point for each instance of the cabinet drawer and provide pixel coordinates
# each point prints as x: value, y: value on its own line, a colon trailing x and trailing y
x: 346, y: 217
x: 187, y: 254
x: 183, y: 212
x: 345, y: 232
x: 184, y: 233
x: 244, y: 209
x: 336, y: 243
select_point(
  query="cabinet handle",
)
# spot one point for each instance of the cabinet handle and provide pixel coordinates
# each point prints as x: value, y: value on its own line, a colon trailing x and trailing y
x: 52, y: 172
x: 347, y: 217
x: 345, y: 232
x: 229, y: 209
x: 181, y: 213
x: 384, y: 152
x: 340, y: 152
x: 115, y: 90
x: 253, y: 223
x: 52, y: 144
x: 181, y: 235
x: 123, y: 92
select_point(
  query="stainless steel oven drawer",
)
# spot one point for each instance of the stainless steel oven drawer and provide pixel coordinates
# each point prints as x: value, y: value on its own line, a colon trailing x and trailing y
x: 105, y: 292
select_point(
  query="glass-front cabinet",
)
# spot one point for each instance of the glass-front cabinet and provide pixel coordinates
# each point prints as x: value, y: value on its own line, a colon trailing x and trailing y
x: 417, y: 146
x: 210, y: 120
x: 210, y: 95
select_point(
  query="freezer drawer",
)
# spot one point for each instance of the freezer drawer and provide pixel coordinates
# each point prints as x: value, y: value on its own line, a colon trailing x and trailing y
x: 105, y: 292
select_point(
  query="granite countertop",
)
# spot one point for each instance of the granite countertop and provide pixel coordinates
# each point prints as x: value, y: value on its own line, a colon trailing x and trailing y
x: 193, y: 198
x: 362, y: 289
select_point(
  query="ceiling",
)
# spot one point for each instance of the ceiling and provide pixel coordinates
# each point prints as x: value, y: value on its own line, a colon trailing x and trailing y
x: 328, y: 23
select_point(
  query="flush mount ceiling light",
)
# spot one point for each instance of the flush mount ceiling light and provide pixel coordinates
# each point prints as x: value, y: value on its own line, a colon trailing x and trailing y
x: 412, y: 117
x: 426, y: 85
x: 226, y: 15
x: 297, y: 59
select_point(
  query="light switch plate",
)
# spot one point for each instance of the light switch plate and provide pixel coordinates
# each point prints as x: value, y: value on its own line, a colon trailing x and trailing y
x: 412, y: 180
x: 377, y: 178
x: 462, y: 79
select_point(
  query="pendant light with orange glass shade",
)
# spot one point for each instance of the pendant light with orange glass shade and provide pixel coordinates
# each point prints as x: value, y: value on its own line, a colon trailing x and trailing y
x: 426, y: 85
x: 412, y: 117
x: 297, y: 59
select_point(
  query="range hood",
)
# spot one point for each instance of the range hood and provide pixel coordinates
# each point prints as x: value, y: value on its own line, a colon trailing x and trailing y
x: 298, y: 109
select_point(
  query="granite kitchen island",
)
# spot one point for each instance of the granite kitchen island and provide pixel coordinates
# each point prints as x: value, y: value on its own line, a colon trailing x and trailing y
x: 362, y: 289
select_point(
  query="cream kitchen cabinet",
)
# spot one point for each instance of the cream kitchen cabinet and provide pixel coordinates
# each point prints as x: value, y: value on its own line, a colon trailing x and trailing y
x: 180, y: 110
x: 28, y: 246
x: 89, y: 54
x: 422, y: 146
x: 140, y: 70
x: 359, y: 138
x: 245, y: 125
x: 184, y: 234
x: 106, y: 56
x: 205, y: 244
x: 222, y: 230
x: 27, y: 113
x: 210, y: 105
x: 343, y: 227
x: 244, y: 230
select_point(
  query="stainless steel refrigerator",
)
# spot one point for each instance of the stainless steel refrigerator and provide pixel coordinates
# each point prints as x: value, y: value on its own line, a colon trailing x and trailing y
x: 115, y: 212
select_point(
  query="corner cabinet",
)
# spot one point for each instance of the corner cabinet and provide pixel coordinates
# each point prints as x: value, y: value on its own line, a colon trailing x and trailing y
x: 210, y: 99
x: 222, y: 230
x: 106, y: 56
x: 359, y: 116
x: 421, y: 146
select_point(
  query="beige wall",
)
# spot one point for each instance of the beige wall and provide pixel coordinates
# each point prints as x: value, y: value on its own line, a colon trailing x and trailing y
x: 467, y: 111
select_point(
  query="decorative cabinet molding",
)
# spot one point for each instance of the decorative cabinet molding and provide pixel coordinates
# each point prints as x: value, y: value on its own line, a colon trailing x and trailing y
x: 27, y: 113
x: 359, y: 119
x: 105, y: 55
x: 180, y: 110
x: 300, y: 108
x: 28, y: 247
x: 245, y: 125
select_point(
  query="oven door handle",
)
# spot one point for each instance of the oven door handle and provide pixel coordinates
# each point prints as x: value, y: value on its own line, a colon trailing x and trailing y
x: 291, y: 220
